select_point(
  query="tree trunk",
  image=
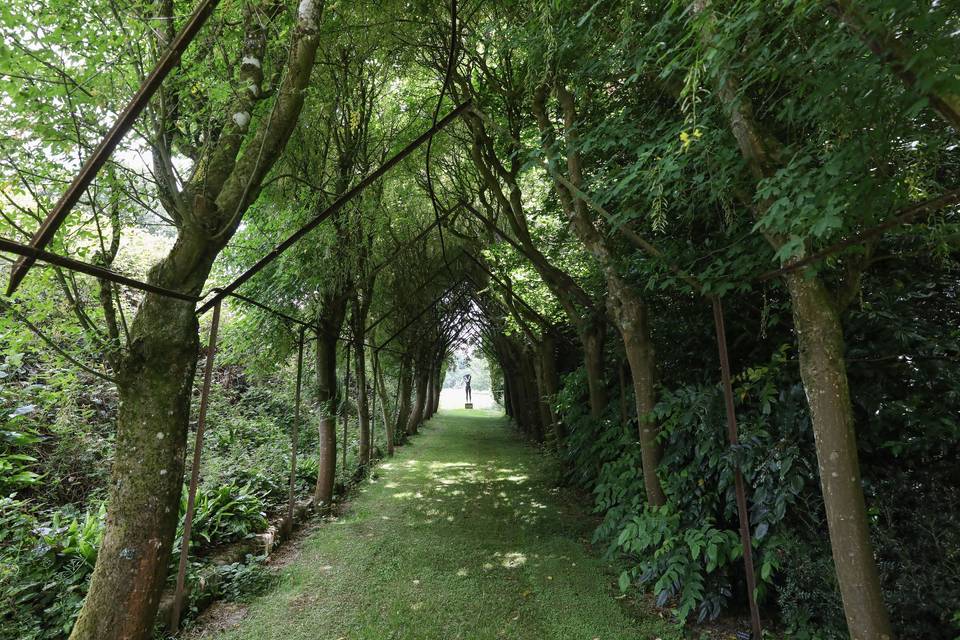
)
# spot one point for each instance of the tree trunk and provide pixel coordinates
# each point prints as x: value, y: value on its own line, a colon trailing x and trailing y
x: 519, y: 377
x: 403, y: 411
x: 327, y: 426
x: 156, y: 372
x: 437, y: 384
x: 416, y: 416
x: 592, y: 339
x: 155, y: 384
x: 507, y: 394
x: 537, y: 417
x: 547, y: 357
x: 363, y: 403
x: 546, y: 420
x: 329, y: 324
x: 510, y: 401
x: 824, y: 374
x: 381, y: 387
x: 428, y: 403
x: 631, y: 315
x: 360, y: 307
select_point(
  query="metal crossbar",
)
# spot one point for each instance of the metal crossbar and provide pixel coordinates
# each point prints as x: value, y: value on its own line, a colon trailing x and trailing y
x: 33, y: 254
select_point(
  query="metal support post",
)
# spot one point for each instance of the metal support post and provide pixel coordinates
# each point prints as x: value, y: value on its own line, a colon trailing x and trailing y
x: 195, y: 471
x: 734, y: 438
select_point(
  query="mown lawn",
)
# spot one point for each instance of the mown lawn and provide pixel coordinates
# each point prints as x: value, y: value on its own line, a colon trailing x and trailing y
x: 461, y: 535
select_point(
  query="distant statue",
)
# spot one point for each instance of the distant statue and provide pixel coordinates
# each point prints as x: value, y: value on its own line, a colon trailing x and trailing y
x: 466, y: 386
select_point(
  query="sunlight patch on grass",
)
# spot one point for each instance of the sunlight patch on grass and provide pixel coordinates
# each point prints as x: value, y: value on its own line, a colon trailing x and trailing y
x: 511, y: 560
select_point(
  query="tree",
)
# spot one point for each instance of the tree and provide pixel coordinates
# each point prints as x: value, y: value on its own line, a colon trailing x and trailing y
x: 156, y: 371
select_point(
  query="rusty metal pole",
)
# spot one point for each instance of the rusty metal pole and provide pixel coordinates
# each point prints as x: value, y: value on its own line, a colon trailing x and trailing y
x: 195, y: 471
x: 295, y: 431
x: 734, y: 438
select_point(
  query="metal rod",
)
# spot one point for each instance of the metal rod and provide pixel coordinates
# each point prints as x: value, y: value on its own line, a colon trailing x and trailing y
x: 195, y: 471
x: 285, y: 316
x: 295, y: 431
x: 102, y: 153
x: 739, y: 487
x: 269, y: 309
x: 337, y: 205
x: 72, y: 264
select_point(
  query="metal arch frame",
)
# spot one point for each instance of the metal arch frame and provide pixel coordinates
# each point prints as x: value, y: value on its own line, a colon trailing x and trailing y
x: 334, y: 207
x: 91, y: 167
x: 546, y: 323
x: 30, y: 254
x: 419, y: 315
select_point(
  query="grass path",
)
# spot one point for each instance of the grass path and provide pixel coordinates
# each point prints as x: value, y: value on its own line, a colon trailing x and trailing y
x: 459, y: 536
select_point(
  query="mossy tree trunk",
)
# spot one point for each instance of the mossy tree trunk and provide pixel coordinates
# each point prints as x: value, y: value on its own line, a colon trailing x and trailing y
x: 824, y: 374
x: 438, y: 374
x: 428, y: 404
x: 403, y: 410
x: 626, y: 307
x: 420, y: 398
x: 550, y: 385
x: 381, y: 388
x: 363, y: 402
x: 157, y: 369
x: 358, y: 318
x: 329, y: 324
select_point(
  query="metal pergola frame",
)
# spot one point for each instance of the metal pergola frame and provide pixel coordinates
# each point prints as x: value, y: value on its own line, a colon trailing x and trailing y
x: 36, y: 251
x: 91, y: 167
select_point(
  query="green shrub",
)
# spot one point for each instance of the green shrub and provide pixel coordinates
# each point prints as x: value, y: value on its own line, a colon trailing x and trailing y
x: 223, y: 515
x: 17, y: 468
x: 241, y: 581
x: 688, y: 552
x: 45, y: 568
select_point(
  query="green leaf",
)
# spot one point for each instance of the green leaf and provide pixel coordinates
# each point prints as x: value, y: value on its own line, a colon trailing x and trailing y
x: 624, y: 581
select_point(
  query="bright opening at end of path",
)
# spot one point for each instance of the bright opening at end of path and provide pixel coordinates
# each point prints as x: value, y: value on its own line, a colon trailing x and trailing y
x: 468, y: 360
